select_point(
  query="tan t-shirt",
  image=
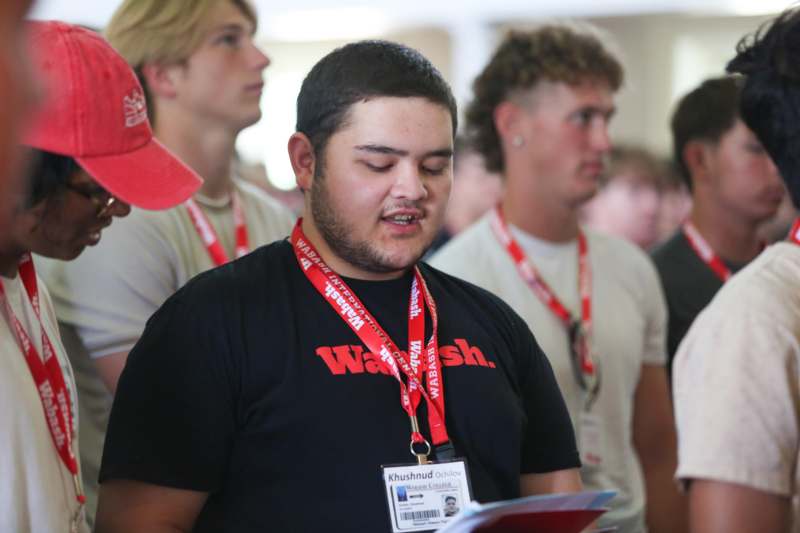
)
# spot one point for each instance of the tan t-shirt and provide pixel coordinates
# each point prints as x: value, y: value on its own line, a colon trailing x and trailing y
x: 629, y: 331
x: 737, y: 383
x: 104, y: 297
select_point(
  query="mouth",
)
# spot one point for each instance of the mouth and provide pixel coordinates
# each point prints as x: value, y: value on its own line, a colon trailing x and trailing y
x: 256, y: 88
x: 94, y: 233
x: 93, y: 237
x: 405, y: 219
x: 595, y: 168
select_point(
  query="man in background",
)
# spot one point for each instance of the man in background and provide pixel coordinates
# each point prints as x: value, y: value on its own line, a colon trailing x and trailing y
x: 736, y: 372
x: 628, y: 203
x: 475, y: 191
x: 735, y: 188
x: 202, y: 76
x: 540, y: 116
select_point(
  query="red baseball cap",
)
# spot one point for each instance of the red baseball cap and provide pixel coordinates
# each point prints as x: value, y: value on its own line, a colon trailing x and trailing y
x: 94, y: 110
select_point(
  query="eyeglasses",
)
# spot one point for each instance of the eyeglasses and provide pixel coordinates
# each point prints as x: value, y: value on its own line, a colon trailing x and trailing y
x: 101, y: 198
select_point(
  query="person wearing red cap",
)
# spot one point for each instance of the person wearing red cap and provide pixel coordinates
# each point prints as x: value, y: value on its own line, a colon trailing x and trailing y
x: 17, y: 95
x: 202, y: 76
x: 93, y: 155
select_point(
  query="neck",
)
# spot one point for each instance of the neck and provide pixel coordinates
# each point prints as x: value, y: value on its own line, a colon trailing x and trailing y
x: 10, y: 257
x: 336, y: 263
x: 732, y: 238
x: 536, y: 213
x: 207, y: 148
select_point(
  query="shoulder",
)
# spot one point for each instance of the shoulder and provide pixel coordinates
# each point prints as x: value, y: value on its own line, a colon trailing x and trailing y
x: 256, y: 198
x: 757, y: 307
x: 264, y: 267
x: 669, y: 249
x: 613, y: 254
x: 769, y: 287
x: 460, y: 254
x: 466, y: 297
x: 674, y: 259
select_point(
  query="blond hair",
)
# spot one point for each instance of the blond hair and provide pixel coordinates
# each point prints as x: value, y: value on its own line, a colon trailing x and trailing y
x: 164, y: 32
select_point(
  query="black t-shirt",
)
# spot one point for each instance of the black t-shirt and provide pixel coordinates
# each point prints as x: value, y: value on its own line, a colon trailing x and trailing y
x: 689, y: 285
x: 247, y: 385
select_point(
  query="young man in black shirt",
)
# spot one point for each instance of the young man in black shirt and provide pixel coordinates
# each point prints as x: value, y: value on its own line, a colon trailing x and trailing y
x: 735, y: 188
x: 273, y: 381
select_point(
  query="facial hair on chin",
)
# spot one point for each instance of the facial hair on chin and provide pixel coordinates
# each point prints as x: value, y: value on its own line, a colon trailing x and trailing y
x: 337, y: 235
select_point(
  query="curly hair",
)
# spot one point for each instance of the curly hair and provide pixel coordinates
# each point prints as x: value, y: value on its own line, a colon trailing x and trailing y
x: 770, y: 100
x: 523, y: 59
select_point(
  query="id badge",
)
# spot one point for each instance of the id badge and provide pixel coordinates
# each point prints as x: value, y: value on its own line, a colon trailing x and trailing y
x: 425, y: 497
x: 591, y: 439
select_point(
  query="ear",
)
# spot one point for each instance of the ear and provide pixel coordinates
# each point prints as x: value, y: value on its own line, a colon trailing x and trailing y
x: 160, y: 79
x: 301, y: 155
x: 506, y: 118
x: 697, y: 158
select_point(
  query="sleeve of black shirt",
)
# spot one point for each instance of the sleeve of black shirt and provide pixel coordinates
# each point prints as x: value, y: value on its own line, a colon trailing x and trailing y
x: 549, y: 438
x: 173, y: 417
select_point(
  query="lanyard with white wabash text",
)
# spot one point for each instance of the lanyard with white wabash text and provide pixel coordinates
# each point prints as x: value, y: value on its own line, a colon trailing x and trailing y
x: 705, y: 252
x: 47, y: 375
x: 336, y: 292
x: 209, y: 236
x: 584, y: 366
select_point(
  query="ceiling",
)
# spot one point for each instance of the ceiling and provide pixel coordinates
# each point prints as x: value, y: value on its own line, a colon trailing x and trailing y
x: 301, y: 20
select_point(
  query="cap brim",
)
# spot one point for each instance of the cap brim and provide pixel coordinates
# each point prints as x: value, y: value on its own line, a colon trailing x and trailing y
x: 149, y: 177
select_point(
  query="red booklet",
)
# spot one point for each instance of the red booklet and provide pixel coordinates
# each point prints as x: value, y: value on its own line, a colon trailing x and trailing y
x: 542, y: 522
x: 551, y: 513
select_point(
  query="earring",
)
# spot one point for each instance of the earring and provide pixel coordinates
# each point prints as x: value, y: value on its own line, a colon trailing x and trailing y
x: 517, y: 141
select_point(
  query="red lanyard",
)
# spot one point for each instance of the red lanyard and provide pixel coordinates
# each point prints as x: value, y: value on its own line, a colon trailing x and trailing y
x: 210, y: 237
x: 415, y: 366
x: 705, y: 252
x: 47, y: 375
x: 794, y: 233
x: 585, y: 369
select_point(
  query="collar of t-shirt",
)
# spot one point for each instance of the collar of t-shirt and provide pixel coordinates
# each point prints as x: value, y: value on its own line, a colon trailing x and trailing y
x: 557, y: 262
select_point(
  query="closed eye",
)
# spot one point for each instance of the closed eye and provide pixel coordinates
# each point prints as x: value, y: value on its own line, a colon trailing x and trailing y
x: 378, y: 168
x: 434, y: 171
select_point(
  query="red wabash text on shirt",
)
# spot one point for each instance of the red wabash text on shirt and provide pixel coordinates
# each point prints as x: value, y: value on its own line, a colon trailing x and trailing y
x: 354, y: 360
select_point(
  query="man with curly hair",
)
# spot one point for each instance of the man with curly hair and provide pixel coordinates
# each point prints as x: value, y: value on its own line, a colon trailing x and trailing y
x: 737, y: 392
x: 540, y: 117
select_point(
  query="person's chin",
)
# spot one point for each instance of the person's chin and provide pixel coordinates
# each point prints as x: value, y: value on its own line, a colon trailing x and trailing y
x: 62, y: 253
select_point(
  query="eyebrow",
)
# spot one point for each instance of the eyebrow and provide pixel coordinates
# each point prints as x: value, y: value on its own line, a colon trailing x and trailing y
x: 388, y: 150
x: 607, y: 112
x: 233, y: 26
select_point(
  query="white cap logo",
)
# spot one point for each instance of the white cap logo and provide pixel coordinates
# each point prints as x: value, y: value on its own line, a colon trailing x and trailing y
x: 134, y: 108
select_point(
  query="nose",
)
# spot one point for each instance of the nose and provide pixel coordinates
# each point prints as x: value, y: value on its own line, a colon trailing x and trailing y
x: 260, y: 59
x: 409, y: 184
x: 773, y: 168
x: 118, y: 208
x: 601, y: 140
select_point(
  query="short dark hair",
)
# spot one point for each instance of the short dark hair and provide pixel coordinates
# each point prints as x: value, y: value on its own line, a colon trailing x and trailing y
x: 357, y: 72
x: 48, y: 175
x: 523, y: 59
x: 448, y: 498
x: 704, y: 114
x: 770, y: 103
